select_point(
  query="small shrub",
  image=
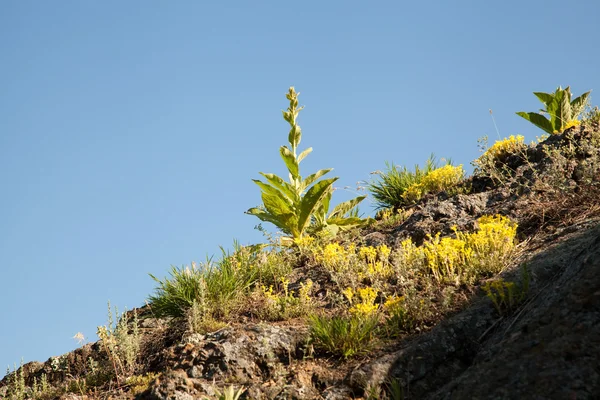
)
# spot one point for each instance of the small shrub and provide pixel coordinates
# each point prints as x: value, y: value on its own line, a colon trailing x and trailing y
x: 16, y: 383
x: 140, y: 383
x: 121, y: 346
x: 363, y: 305
x: 466, y: 257
x: 492, y: 163
x: 176, y: 294
x: 343, y: 336
x: 277, y: 306
x: 446, y: 178
x: 217, y: 286
x: 389, y: 189
x: 350, y: 265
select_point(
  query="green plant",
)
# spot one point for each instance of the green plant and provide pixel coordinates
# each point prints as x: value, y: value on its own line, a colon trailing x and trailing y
x: 277, y: 306
x: 444, y: 178
x: 466, y: 257
x: 140, y: 383
x: 230, y: 393
x: 301, y: 205
x: 390, y: 187
x: 176, y: 294
x: 562, y: 111
x: 121, y: 346
x: 391, y: 389
x: 507, y: 296
x: 343, y: 336
x: 216, y: 286
x: 16, y: 383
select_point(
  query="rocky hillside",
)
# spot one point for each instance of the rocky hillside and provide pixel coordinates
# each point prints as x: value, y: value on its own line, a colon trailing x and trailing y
x: 527, y: 326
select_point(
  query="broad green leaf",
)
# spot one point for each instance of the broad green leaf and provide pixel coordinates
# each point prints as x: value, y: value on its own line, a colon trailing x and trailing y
x: 311, y: 201
x: 304, y: 154
x: 545, y: 98
x: 281, y: 223
x: 538, y: 120
x: 282, y: 185
x: 346, y: 222
x: 275, y: 205
x: 273, y: 191
x: 290, y: 160
x: 311, y: 178
x: 578, y: 104
x: 341, y: 209
x: 563, y: 112
x: 320, y: 213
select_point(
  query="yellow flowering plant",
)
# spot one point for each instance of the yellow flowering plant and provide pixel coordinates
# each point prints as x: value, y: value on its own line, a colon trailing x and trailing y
x: 466, y: 256
x: 437, y: 180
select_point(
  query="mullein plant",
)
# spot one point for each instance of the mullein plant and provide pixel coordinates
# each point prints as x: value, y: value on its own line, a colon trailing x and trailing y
x: 301, y: 206
x: 562, y: 111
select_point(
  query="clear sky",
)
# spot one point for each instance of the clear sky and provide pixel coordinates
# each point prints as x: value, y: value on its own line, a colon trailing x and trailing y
x: 130, y: 130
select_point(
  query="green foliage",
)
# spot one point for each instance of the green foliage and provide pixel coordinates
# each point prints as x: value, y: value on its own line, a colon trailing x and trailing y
x: 121, y: 345
x: 230, y: 393
x: 507, y: 296
x: 284, y: 304
x: 301, y: 205
x: 391, y: 186
x: 343, y: 336
x: 562, y: 111
x: 16, y: 383
x: 176, y: 294
x: 445, y: 178
x: 216, y: 287
x: 466, y: 257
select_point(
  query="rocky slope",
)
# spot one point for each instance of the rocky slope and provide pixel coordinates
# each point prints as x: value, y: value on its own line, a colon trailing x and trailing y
x: 548, y: 347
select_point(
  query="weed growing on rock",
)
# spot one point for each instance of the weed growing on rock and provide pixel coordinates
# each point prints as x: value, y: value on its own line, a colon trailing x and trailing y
x: 121, y: 346
x: 446, y: 178
x: 230, y: 393
x: 466, y: 257
x: 562, y: 111
x: 389, y: 188
x: 284, y: 304
x: 301, y: 205
x: 507, y: 296
x: 343, y: 336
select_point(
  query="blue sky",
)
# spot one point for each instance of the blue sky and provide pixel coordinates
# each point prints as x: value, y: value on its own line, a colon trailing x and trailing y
x: 130, y: 131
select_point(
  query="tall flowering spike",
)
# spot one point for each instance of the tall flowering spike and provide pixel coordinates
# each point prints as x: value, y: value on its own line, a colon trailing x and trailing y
x: 290, y: 116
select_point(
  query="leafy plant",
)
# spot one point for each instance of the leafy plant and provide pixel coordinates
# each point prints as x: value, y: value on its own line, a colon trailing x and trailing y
x: 230, y: 393
x: 121, y: 346
x: 301, y: 205
x: 445, y: 178
x: 562, y: 111
x: 343, y: 336
x: 216, y: 286
x: 507, y: 296
x: 176, y: 294
x: 391, y: 186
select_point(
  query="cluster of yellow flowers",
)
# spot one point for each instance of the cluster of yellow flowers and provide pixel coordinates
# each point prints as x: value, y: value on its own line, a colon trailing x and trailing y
x: 286, y: 304
x: 437, y: 180
x: 366, y: 306
x: 512, y: 144
x: 569, y: 124
x: 367, y: 261
x: 393, y: 304
x: 468, y: 254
